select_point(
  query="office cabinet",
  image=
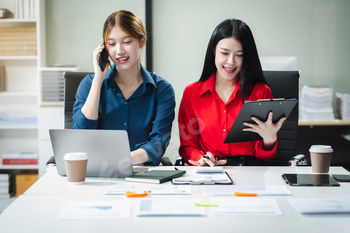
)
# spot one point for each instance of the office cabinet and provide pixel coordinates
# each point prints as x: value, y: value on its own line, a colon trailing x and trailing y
x: 22, y: 53
x: 51, y: 116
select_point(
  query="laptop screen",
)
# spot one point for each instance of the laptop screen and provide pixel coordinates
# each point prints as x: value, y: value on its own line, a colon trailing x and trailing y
x: 108, y: 151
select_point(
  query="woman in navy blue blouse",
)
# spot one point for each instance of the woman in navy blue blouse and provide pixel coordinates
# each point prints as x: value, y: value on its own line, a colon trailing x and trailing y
x: 126, y: 96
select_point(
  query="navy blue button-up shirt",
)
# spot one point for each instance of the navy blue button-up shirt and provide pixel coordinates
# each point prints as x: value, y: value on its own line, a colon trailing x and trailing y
x: 147, y: 115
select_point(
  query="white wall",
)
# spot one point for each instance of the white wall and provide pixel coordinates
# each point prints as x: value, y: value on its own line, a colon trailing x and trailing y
x: 315, y: 31
x: 74, y: 28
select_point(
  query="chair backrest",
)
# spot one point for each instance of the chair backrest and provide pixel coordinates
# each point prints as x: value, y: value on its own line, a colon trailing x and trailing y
x: 71, y: 83
x: 285, y: 84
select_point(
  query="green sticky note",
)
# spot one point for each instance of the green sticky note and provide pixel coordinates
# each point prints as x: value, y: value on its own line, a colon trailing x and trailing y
x: 206, y: 204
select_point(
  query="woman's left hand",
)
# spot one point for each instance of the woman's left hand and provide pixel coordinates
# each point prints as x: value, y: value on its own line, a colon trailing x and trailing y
x: 267, y: 130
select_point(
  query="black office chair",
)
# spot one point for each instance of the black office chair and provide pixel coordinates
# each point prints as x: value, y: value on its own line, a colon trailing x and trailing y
x: 283, y: 84
x: 71, y: 84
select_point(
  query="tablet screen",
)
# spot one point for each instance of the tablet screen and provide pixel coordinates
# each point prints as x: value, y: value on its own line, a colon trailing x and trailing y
x: 310, y: 180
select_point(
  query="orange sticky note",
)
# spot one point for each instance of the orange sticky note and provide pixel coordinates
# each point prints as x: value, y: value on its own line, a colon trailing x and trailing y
x: 132, y: 194
x: 246, y: 194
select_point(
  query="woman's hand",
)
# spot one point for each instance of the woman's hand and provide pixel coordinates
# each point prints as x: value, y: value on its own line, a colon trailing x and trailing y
x: 267, y: 130
x: 139, y: 156
x: 208, y: 160
x: 97, y: 69
x: 90, y: 108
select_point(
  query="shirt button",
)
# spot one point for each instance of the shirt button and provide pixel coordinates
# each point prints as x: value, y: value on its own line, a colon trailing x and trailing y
x: 125, y: 102
x: 124, y: 124
x: 225, y: 149
x: 224, y: 130
x: 224, y: 111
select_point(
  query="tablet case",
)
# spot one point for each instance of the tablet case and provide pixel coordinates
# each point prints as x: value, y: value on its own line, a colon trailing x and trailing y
x: 259, y: 109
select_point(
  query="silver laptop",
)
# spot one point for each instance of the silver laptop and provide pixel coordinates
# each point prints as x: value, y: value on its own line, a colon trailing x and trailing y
x: 108, y: 151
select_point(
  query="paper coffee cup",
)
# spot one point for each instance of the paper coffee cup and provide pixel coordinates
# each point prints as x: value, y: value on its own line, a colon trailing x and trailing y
x: 320, y: 158
x: 76, y: 163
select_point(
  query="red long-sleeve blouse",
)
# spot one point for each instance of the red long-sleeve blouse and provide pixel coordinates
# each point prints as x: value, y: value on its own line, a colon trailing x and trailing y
x: 204, y: 121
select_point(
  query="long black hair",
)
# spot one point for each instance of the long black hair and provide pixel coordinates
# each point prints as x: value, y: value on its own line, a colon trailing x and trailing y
x: 251, y: 72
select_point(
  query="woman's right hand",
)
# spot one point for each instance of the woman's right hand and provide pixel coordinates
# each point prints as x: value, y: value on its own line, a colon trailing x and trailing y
x: 91, y: 105
x: 97, y: 69
x: 208, y: 160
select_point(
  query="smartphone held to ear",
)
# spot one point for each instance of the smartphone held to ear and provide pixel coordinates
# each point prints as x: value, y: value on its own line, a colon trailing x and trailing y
x: 103, y: 58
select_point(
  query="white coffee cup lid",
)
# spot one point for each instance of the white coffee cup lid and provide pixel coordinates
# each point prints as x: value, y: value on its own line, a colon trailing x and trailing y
x: 75, y: 156
x: 321, y: 149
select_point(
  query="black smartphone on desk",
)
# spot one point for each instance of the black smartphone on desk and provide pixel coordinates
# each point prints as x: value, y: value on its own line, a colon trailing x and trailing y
x: 341, y: 178
x: 103, y: 58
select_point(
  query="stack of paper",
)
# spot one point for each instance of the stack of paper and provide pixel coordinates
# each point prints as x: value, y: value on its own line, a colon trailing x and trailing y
x: 15, y: 120
x: 18, y: 41
x: 316, y: 103
x: 5, y: 191
x: 343, y: 106
x: 52, y: 82
x: 52, y: 89
x: 4, y: 185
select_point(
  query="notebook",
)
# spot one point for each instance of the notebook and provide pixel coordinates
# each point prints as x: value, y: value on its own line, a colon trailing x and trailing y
x: 155, y: 176
x: 108, y: 151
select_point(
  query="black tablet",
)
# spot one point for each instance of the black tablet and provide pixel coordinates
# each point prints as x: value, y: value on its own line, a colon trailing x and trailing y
x: 259, y: 109
x: 310, y: 180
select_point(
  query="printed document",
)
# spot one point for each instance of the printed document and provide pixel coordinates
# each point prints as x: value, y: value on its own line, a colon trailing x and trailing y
x: 95, y: 210
x: 120, y: 189
x: 203, y: 178
x: 247, y: 206
x: 321, y: 205
x: 260, y: 190
x: 169, y: 207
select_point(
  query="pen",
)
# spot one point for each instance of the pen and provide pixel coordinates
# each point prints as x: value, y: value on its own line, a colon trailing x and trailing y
x: 216, y: 158
x: 176, y: 168
x: 207, y: 157
x: 240, y: 194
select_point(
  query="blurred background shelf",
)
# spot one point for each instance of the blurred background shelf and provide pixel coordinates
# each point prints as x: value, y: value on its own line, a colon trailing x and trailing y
x: 18, y: 167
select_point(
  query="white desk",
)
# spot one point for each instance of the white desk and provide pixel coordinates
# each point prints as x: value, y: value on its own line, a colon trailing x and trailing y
x: 37, y: 210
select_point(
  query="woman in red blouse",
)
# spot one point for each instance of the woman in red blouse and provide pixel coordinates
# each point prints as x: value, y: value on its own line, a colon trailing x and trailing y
x: 231, y: 75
